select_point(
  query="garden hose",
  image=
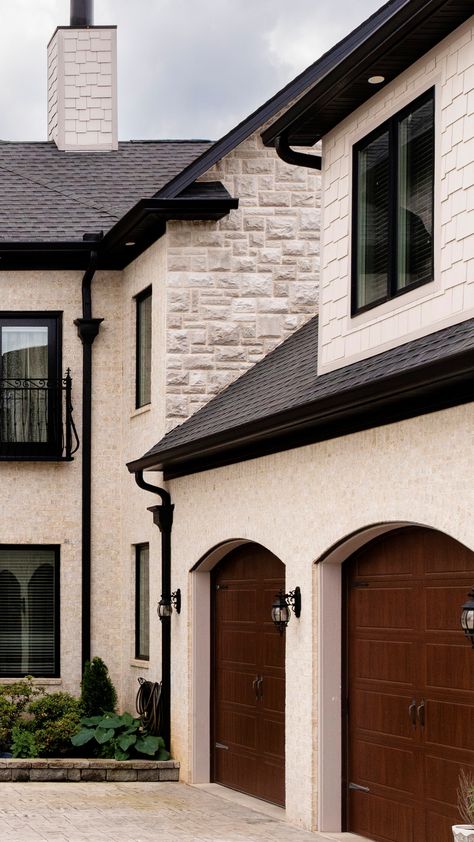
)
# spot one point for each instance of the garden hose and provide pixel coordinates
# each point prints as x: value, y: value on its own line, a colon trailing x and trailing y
x: 149, y: 705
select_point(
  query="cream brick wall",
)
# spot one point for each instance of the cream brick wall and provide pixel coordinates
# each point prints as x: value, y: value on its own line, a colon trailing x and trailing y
x: 299, y: 504
x: 82, y: 88
x: 238, y: 287
x: 41, y: 501
x: 450, y: 298
x: 142, y: 428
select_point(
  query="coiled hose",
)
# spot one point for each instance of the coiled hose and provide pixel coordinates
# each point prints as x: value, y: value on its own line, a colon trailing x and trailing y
x: 149, y: 705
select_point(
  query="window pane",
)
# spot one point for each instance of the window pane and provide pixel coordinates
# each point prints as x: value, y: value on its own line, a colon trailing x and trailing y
x: 24, y: 355
x: 372, y: 221
x: 144, y: 350
x: 142, y: 629
x: 415, y: 196
x: 27, y: 612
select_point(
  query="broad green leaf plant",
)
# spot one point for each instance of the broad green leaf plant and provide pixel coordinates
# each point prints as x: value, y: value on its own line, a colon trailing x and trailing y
x: 118, y: 737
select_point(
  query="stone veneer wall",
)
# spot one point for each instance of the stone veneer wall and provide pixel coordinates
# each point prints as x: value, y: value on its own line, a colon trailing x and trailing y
x: 239, y: 287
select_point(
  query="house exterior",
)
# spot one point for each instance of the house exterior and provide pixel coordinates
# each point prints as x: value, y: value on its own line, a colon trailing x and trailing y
x: 338, y: 470
x: 137, y: 280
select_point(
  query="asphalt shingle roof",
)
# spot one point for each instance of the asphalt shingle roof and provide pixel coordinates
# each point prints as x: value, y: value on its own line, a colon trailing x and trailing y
x: 287, y: 379
x: 47, y: 195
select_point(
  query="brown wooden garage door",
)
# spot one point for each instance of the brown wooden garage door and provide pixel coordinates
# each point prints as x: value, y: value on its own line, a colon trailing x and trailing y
x: 248, y: 735
x: 410, y: 687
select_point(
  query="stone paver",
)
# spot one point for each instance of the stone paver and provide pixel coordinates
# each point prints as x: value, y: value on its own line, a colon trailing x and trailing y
x: 133, y: 812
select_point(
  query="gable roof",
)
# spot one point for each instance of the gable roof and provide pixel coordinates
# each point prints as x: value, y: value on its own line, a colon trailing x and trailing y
x: 282, y: 403
x: 393, y: 36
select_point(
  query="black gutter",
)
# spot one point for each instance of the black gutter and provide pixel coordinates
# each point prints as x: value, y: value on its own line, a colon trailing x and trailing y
x: 427, y: 388
x: 163, y: 518
x: 87, y: 328
x: 291, y: 156
x: 141, y: 226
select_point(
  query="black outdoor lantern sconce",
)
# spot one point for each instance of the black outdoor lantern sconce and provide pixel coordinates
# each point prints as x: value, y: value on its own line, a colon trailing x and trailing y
x: 167, y: 603
x: 281, y: 608
x: 467, y: 617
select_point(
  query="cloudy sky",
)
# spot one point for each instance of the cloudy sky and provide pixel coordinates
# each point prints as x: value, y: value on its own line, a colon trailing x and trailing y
x: 186, y: 68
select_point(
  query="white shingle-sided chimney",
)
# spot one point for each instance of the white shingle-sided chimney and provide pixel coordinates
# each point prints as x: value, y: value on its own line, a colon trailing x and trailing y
x: 82, y: 83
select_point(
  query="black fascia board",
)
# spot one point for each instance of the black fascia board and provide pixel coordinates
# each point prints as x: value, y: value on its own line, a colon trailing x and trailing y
x: 343, y: 71
x: 427, y: 388
x: 142, y: 225
x: 44, y: 255
x: 146, y: 222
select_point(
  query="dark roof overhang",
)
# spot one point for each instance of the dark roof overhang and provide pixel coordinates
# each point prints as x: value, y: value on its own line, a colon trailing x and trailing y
x: 130, y: 236
x: 386, y: 44
x: 427, y: 388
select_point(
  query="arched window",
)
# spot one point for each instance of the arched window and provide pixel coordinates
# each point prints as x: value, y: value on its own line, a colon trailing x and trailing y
x: 29, y: 611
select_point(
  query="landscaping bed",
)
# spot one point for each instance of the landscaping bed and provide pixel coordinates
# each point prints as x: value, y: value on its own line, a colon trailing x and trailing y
x: 95, y: 769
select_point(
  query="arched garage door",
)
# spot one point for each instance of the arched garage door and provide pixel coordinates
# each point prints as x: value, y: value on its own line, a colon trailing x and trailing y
x: 248, y: 659
x: 409, y: 686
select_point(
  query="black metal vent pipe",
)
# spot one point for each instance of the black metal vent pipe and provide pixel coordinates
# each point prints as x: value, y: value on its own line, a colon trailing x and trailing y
x: 163, y: 518
x: 82, y: 13
x: 87, y: 329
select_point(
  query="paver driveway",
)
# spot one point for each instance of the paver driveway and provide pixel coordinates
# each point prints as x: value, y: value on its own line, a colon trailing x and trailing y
x: 130, y: 812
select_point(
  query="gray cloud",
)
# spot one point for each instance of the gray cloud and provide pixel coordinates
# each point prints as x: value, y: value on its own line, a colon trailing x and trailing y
x: 186, y: 68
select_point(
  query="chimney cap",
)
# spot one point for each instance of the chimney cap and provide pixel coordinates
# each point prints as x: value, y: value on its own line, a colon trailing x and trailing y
x: 82, y: 13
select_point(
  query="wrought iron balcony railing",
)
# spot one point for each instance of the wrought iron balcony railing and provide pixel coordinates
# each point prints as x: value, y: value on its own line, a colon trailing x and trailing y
x: 36, y: 419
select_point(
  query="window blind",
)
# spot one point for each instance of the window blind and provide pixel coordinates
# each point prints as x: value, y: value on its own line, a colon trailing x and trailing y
x: 28, y: 612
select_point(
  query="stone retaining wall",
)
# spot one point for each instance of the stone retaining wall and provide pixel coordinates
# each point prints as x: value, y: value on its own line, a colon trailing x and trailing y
x: 88, y: 770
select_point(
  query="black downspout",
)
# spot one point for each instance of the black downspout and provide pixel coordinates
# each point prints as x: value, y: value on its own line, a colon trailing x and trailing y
x: 291, y: 156
x: 163, y: 518
x: 87, y: 329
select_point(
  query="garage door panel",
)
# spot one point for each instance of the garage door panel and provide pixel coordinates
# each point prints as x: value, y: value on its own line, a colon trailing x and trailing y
x: 377, y: 764
x: 450, y: 667
x: 442, y: 607
x: 381, y: 713
x: 449, y: 724
x: 381, y: 818
x: 385, y: 608
x: 384, y: 660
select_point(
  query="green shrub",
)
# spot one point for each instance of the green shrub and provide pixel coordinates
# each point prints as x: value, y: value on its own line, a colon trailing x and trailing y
x: 14, y: 702
x: 98, y: 694
x: 23, y: 742
x: 55, y: 718
x: 119, y: 737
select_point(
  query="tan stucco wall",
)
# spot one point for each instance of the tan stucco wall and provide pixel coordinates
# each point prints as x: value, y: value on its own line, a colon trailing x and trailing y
x: 450, y: 297
x: 299, y: 504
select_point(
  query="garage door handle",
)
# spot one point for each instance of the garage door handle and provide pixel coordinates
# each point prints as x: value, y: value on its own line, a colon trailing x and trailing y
x: 359, y: 788
x: 421, y: 713
x: 255, y: 686
x: 260, y: 687
x: 412, y: 712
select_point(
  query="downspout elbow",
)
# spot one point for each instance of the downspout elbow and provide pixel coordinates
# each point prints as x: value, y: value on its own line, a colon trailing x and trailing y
x: 146, y: 486
x: 297, y: 159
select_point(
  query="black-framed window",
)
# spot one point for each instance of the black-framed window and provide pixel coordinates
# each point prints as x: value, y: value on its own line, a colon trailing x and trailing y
x: 143, y: 348
x: 142, y: 602
x: 393, y: 197
x: 29, y: 611
x: 30, y: 385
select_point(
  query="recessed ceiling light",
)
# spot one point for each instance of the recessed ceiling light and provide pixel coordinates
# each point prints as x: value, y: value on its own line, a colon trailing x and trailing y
x: 131, y: 243
x: 376, y: 80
